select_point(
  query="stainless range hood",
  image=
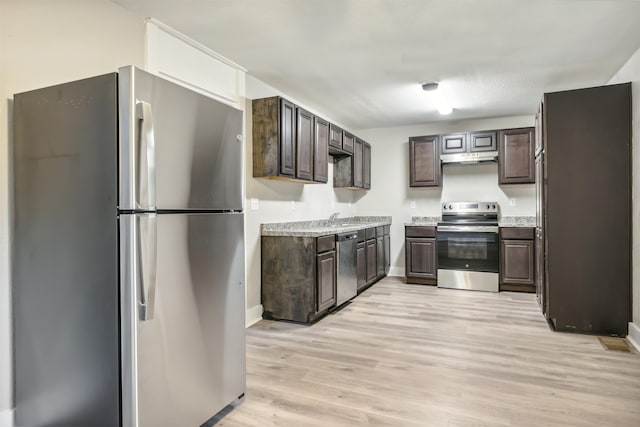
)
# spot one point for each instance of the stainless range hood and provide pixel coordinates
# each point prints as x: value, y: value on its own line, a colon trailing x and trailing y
x: 469, y: 158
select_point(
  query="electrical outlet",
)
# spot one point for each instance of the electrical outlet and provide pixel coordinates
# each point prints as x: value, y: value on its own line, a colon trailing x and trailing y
x: 412, y: 205
x: 254, y: 204
x: 293, y: 205
x: 512, y: 201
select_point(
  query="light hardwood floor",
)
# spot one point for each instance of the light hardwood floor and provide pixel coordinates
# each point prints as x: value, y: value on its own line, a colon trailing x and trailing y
x: 411, y: 355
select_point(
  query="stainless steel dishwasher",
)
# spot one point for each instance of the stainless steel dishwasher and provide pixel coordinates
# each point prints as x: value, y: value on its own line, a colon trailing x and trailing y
x: 347, y: 269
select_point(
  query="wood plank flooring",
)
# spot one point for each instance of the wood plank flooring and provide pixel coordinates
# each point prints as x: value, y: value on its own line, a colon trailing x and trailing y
x: 412, y: 355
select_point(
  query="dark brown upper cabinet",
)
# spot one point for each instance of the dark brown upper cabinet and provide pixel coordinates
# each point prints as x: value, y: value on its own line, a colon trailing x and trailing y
x: 357, y: 163
x: 340, y: 142
x: 335, y: 136
x: 424, y: 161
x: 304, y: 146
x: 366, y: 165
x: 454, y: 143
x: 348, y: 142
x: 321, y: 150
x: 354, y: 171
x: 538, y: 129
x: 483, y: 141
x: 469, y: 142
x: 516, y: 156
x: 284, y: 144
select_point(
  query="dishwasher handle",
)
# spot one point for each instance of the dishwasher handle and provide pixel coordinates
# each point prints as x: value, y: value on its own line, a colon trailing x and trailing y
x: 346, y: 236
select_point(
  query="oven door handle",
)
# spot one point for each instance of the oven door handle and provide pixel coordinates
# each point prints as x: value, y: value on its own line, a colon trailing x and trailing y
x: 468, y: 229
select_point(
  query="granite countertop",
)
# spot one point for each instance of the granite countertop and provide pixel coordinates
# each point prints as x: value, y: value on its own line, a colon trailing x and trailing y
x: 517, y: 221
x: 322, y: 227
x: 423, y: 221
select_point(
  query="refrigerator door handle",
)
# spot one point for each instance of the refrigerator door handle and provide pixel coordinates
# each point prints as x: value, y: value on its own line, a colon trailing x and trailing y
x: 147, y: 256
x: 146, y: 188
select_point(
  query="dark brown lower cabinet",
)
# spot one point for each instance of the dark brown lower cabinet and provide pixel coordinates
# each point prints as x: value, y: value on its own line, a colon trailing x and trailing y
x: 361, y: 264
x: 372, y: 258
x: 517, y: 250
x: 379, y: 251
x: 326, y: 280
x: 387, y: 251
x: 421, y: 255
x: 298, y: 277
x: 372, y: 255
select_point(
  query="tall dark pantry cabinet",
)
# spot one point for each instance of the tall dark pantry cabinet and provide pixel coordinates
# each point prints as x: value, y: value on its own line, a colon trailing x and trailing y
x: 583, y: 183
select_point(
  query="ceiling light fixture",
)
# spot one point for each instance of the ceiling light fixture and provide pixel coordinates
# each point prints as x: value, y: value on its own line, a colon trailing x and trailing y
x: 442, y: 105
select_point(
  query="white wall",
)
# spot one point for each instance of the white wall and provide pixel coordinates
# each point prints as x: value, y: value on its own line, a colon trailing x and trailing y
x: 390, y: 193
x: 44, y: 43
x: 276, y: 200
x: 630, y: 72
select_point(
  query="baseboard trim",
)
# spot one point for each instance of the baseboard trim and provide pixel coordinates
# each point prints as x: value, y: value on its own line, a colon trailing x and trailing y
x: 396, y: 272
x: 634, y: 335
x: 7, y: 418
x: 254, y: 315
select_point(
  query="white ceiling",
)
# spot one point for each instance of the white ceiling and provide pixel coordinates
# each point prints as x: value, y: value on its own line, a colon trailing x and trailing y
x: 362, y: 61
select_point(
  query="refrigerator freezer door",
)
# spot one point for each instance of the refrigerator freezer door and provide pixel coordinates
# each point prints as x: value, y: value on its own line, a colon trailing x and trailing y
x: 188, y: 362
x: 194, y: 143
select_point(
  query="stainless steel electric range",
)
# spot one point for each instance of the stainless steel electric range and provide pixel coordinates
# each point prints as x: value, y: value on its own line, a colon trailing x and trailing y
x: 468, y: 246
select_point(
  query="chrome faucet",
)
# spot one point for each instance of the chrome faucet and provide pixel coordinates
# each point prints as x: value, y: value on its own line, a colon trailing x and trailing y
x: 332, y: 218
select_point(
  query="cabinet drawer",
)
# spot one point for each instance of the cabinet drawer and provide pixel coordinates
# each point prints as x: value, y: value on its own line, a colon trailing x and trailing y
x: 518, y: 233
x: 380, y: 231
x: 371, y: 233
x: 325, y: 243
x: 362, y: 235
x: 420, y: 231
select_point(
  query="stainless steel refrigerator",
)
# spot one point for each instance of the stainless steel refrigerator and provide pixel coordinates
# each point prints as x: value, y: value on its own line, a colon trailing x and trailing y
x: 128, y: 254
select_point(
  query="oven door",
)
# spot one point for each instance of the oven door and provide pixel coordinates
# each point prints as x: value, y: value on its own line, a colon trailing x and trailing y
x: 468, y: 248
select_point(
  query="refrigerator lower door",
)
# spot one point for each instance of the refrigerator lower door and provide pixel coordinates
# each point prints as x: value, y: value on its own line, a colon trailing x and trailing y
x: 179, y: 150
x: 186, y: 362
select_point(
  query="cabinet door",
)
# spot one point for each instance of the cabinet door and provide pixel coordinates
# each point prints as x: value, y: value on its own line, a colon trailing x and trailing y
x: 335, y: 136
x: 287, y: 138
x: 321, y: 151
x: 483, y: 141
x: 357, y: 163
x: 538, y: 128
x: 420, y: 257
x: 372, y: 258
x: 304, y: 145
x: 361, y: 263
x: 348, y: 142
x: 454, y: 143
x: 515, y: 160
x: 366, y: 165
x: 424, y: 161
x: 326, y: 279
x: 387, y: 253
x: 516, y: 259
x: 380, y: 256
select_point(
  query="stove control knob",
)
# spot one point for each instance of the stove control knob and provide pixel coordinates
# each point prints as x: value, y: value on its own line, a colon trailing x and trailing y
x: 450, y: 206
x: 494, y: 206
x: 488, y: 206
x: 444, y: 207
